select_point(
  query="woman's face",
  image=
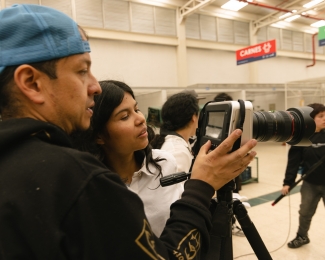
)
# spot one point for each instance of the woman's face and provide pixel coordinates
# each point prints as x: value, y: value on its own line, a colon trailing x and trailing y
x: 126, y: 129
x: 320, y: 121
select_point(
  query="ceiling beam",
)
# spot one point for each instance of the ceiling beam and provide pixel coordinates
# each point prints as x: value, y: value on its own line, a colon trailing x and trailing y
x: 274, y: 13
x: 259, y: 24
x: 191, y: 6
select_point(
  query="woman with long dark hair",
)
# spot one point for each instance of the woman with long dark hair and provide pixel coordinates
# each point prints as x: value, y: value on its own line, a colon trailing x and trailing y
x: 118, y: 137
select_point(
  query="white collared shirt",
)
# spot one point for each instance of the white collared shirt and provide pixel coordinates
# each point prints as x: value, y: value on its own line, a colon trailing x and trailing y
x: 181, y: 150
x: 157, y: 199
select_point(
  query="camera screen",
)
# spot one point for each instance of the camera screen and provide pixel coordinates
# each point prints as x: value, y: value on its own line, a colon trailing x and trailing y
x: 215, y: 124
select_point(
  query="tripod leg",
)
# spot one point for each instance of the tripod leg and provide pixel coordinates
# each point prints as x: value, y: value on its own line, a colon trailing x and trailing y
x: 250, y: 231
x: 220, y: 235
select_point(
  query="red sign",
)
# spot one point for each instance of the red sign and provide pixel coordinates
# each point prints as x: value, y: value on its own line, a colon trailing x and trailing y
x: 256, y: 52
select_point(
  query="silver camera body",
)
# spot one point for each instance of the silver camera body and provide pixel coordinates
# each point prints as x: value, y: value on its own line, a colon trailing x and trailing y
x: 219, y: 119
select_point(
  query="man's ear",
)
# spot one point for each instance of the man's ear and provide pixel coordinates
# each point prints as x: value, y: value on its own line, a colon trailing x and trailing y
x: 194, y: 118
x: 29, y: 81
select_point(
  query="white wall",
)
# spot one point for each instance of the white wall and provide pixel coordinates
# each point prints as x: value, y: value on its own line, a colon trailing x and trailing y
x: 146, y: 65
x: 265, y: 101
x: 137, y: 64
x: 141, y: 64
x: 284, y: 69
x: 214, y: 66
x: 154, y: 100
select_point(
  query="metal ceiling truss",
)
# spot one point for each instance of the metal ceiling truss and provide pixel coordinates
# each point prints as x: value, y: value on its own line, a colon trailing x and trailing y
x: 272, y: 18
x: 191, y: 6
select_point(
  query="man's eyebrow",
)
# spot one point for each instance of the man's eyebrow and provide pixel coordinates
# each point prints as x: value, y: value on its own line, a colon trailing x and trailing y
x: 84, y: 60
x: 87, y: 61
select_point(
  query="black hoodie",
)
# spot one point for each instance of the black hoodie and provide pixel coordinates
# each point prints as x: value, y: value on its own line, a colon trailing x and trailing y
x: 60, y: 203
x: 307, y: 157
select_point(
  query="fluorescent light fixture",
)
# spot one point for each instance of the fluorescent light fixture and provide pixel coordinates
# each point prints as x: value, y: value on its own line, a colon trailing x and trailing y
x: 318, y: 24
x: 284, y: 15
x: 279, y: 25
x: 291, y: 18
x: 312, y: 3
x: 287, y: 14
x: 233, y: 5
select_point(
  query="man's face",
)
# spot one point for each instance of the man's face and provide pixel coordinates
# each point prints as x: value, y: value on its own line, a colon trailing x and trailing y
x: 70, y: 97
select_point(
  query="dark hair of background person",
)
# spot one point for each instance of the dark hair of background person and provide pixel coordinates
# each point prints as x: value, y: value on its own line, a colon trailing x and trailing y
x: 176, y: 113
x: 222, y: 97
x: 317, y: 109
x: 151, y: 132
x: 111, y: 97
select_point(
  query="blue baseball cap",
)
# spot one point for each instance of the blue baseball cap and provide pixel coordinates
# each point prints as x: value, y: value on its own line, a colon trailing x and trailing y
x: 34, y: 33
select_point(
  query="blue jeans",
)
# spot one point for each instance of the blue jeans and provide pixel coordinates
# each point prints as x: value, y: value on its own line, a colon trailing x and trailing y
x: 310, y: 196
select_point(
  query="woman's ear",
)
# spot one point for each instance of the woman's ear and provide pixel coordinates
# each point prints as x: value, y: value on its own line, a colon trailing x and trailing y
x: 29, y: 81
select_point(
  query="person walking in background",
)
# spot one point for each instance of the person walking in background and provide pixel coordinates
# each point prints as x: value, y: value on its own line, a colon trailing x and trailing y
x: 180, y: 121
x: 313, y: 186
x: 118, y: 137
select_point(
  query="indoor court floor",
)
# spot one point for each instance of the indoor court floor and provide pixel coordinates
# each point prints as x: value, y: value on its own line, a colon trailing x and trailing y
x: 277, y: 224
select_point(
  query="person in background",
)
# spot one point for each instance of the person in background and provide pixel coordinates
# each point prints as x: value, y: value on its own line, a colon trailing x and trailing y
x: 180, y: 120
x: 222, y: 97
x: 313, y: 186
x: 57, y: 202
x: 151, y: 132
x: 118, y: 137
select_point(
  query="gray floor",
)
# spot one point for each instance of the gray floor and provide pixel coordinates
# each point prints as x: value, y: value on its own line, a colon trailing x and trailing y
x: 277, y: 224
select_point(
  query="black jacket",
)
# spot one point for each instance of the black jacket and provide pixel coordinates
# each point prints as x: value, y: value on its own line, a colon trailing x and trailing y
x: 307, y: 157
x: 59, y: 203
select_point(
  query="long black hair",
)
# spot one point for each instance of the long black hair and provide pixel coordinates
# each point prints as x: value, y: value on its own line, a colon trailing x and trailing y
x: 176, y: 113
x: 111, y: 97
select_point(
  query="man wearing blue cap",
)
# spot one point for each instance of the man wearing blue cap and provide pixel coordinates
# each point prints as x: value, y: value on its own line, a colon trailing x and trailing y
x: 59, y: 203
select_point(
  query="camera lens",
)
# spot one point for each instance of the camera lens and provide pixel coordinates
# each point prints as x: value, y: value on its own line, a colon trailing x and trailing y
x: 293, y: 126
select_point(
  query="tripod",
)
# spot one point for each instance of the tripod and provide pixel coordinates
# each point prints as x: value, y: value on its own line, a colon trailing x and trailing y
x: 221, y: 235
x: 222, y: 212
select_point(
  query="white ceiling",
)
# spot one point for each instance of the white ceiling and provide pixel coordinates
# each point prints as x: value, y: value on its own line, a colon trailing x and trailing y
x: 258, y: 10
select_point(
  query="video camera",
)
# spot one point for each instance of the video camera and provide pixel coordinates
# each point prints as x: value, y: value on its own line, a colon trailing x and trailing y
x: 218, y: 119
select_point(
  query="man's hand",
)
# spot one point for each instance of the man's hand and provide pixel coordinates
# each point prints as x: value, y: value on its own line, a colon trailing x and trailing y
x: 285, y: 189
x: 218, y: 167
